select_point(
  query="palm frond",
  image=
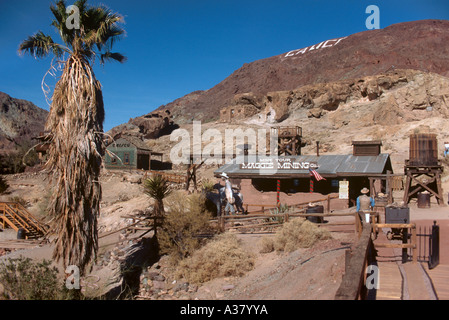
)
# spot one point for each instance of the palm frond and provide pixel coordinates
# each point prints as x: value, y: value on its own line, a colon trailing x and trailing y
x: 112, y: 56
x: 40, y: 45
x: 59, y: 12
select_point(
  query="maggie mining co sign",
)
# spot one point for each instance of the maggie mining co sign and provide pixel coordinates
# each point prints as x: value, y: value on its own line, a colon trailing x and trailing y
x: 279, y: 164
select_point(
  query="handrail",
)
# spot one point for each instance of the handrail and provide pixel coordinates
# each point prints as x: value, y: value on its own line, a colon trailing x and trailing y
x: 25, y: 216
x: 16, y: 218
x: 21, y: 217
x: 36, y: 223
x: 352, y: 286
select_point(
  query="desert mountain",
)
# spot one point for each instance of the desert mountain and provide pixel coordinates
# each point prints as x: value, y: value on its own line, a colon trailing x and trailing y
x: 20, y: 121
x: 417, y: 45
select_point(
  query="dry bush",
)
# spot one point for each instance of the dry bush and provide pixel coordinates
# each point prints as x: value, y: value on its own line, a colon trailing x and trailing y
x: 221, y: 257
x: 186, y: 218
x: 24, y: 279
x: 297, y: 233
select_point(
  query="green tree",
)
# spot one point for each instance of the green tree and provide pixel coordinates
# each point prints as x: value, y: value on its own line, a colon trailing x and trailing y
x: 75, y: 123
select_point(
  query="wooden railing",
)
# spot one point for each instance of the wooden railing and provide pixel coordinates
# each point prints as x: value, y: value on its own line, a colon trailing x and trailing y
x: 405, y: 245
x: 17, y: 217
x: 352, y: 286
x: 277, y: 218
x: 268, y: 207
x: 273, y: 220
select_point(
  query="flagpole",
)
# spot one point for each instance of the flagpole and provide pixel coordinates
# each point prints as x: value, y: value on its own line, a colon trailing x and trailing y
x: 311, y: 184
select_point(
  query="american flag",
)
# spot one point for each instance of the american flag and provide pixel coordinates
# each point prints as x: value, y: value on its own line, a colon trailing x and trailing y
x: 315, y: 174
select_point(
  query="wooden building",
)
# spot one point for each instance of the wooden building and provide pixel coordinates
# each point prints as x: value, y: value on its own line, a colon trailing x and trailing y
x: 344, y: 176
x: 129, y: 152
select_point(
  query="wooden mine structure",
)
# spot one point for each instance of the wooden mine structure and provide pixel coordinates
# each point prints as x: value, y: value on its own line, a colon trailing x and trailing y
x: 289, y: 140
x: 423, y: 169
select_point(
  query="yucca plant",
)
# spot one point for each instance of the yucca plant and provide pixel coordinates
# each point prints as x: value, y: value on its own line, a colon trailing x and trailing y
x: 75, y: 124
x: 158, y: 189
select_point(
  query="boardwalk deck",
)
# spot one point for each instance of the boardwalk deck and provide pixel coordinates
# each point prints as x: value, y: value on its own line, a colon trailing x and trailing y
x: 440, y: 280
x: 390, y: 282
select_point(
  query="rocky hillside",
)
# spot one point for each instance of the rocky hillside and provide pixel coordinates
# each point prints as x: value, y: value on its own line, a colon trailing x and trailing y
x: 419, y: 45
x: 20, y: 120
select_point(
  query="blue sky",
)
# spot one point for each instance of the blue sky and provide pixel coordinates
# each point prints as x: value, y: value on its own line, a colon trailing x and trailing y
x: 175, y: 47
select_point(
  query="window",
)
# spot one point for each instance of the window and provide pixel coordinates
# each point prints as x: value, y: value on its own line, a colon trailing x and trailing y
x: 126, y: 158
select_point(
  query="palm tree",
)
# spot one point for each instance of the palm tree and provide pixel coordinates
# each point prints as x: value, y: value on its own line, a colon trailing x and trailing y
x: 158, y: 189
x: 75, y: 125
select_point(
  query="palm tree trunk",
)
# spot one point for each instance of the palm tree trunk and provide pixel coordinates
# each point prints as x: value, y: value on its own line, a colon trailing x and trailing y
x: 75, y: 123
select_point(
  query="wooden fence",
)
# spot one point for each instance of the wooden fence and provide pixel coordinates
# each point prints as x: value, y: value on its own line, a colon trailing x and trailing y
x: 268, y: 208
x: 266, y: 222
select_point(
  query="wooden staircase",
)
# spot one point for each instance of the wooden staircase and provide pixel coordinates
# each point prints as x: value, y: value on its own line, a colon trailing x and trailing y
x: 17, y: 217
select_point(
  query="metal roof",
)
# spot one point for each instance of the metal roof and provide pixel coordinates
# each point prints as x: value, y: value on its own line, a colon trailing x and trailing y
x: 326, y: 165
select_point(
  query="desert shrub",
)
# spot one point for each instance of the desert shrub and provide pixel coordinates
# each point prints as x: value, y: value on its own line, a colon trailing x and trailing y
x: 207, y: 185
x: 3, y: 185
x: 280, y: 211
x: 220, y: 257
x: 23, y: 279
x: 185, y: 219
x: 297, y: 233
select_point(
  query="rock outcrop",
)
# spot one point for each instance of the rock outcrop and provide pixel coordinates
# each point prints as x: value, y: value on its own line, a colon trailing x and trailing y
x: 390, y: 98
x: 20, y: 121
x: 149, y: 126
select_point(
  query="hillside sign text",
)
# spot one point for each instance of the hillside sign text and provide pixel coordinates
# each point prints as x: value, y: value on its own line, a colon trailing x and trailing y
x: 321, y: 45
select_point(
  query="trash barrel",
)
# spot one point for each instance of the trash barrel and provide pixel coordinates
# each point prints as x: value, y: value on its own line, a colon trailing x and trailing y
x: 21, y: 234
x: 315, y: 209
x: 423, y: 200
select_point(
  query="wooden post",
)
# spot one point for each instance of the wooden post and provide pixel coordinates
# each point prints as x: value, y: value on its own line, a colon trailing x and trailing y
x: 358, y: 224
x: 415, y: 246
x: 221, y: 223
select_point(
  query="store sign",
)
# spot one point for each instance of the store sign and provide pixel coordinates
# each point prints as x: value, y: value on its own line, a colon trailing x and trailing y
x: 343, y: 190
x: 279, y: 164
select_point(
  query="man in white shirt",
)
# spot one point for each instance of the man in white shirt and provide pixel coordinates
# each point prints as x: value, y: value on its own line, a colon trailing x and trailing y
x: 228, y: 193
